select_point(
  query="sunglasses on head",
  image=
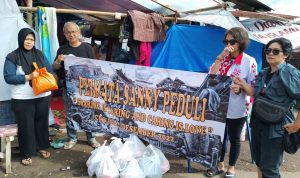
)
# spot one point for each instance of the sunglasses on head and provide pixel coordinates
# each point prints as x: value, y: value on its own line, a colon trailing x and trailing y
x: 231, y: 42
x: 274, y: 51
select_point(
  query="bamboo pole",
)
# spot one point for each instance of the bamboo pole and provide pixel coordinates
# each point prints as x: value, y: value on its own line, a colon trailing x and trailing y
x: 74, y: 11
x: 29, y: 15
x: 238, y: 13
x: 86, y: 12
x: 257, y: 15
x: 219, y: 6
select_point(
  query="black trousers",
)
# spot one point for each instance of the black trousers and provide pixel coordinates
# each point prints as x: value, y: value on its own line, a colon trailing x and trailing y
x: 32, y: 119
x: 267, y: 152
x: 233, y: 129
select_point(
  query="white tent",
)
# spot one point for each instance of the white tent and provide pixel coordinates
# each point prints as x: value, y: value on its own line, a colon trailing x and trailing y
x: 224, y: 18
x: 11, y: 21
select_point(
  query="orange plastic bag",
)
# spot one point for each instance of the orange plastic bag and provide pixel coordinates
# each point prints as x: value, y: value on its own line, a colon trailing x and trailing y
x: 44, y: 82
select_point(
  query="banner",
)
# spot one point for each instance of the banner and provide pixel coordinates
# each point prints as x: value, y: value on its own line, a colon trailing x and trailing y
x: 266, y: 30
x: 182, y: 113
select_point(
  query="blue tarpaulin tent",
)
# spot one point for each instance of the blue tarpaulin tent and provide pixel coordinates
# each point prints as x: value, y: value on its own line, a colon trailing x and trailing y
x: 194, y: 48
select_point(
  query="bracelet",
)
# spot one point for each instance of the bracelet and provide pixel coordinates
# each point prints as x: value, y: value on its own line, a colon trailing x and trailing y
x: 219, y: 58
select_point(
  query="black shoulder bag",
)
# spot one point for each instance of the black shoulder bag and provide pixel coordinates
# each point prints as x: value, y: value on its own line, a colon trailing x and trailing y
x: 269, y: 111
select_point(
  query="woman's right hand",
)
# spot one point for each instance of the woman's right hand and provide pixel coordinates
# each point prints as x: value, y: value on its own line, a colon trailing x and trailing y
x: 34, y: 74
x: 226, y: 51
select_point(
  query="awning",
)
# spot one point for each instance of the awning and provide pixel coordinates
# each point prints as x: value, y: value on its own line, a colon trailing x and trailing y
x: 95, y: 5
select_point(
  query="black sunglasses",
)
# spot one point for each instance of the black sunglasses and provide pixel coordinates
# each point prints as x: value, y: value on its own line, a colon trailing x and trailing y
x: 231, y: 42
x: 274, y: 51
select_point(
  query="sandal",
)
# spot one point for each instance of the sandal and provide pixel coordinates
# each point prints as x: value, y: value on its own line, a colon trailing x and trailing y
x: 94, y: 143
x: 44, y: 154
x: 212, y: 172
x: 26, y: 161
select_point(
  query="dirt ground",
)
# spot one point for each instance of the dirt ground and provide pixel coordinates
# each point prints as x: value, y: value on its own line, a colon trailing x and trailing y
x: 76, y: 159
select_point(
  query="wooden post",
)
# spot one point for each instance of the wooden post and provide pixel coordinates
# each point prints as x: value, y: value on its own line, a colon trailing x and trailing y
x: 29, y: 14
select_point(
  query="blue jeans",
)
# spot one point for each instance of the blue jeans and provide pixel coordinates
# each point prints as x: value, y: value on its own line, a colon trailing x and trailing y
x: 72, y: 133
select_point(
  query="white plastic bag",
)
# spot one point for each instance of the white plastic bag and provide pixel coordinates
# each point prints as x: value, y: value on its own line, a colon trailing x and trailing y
x: 133, y: 170
x: 107, y: 168
x: 165, y: 165
x: 136, y: 146
x: 116, y: 144
x: 123, y: 156
x: 96, y: 156
x: 154, y: 163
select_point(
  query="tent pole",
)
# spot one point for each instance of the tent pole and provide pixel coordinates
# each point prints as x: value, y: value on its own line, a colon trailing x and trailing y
x: 73, y: 11
x: 115, y: 14
x: 29, y: 15
x: 220, y: 6
x: 86, y: 12
x: 257, y: 15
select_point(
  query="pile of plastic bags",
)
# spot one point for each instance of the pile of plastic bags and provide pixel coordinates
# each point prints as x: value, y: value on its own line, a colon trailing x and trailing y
x: 131, y: 159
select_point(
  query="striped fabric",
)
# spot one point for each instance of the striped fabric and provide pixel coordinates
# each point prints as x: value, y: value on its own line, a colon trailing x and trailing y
x: 42, y: 29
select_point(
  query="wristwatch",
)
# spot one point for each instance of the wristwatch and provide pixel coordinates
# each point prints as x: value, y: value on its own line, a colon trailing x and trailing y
x: 57, y: 61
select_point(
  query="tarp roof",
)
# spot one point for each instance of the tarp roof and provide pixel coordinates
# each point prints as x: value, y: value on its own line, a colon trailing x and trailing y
x: 179, y: 6
x: 121, y: 6
x: 188, y: 5
x: 161, y: 6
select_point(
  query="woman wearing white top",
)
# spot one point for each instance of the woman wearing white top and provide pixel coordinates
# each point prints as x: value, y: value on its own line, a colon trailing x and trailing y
x: 232, y: 62
x: 31, y: 111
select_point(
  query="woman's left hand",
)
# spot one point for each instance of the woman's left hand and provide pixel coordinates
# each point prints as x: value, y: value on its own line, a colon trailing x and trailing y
x: 291, y: 128
x: 235, y: 88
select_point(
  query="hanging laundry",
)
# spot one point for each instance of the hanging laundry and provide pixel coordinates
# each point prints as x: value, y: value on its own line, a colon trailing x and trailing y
x: 147, y: 27
x: 145, y: 54
x: 43, y: 33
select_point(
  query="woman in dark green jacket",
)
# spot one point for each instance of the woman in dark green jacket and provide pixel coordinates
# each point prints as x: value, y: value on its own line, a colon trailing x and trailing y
x: 280, y: 83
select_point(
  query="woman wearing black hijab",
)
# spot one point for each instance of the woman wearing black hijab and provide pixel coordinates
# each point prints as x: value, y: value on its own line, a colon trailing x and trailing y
x: 31, y: 111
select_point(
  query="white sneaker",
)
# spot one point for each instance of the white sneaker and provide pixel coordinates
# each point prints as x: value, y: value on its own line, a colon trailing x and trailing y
x: 70, y: 144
